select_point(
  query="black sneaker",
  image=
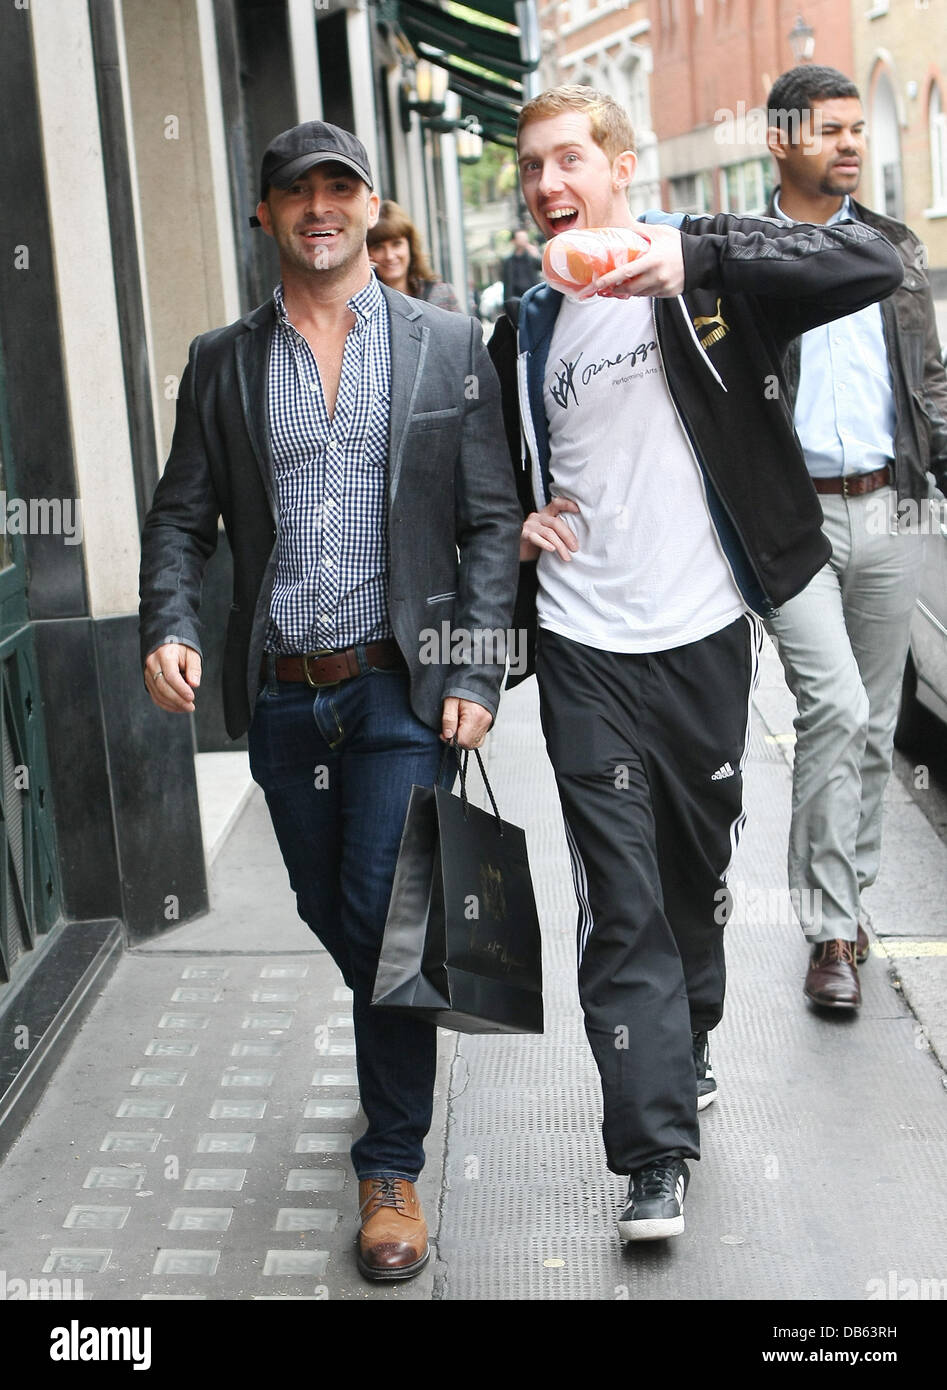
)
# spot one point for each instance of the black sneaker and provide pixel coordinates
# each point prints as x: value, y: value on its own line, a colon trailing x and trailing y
x: 706, y: 1081
x: 655, y: 1206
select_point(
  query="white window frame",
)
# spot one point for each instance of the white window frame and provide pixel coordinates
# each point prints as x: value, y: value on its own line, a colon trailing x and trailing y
x: 700, y: 205
x: 749, y: 178
x: 937, y: 132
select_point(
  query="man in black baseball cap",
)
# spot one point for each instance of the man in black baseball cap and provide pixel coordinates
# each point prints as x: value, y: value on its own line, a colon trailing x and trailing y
x: 315, y: 142
x: 295, y: 151
x: 321, y: 425
x: 317, y: 203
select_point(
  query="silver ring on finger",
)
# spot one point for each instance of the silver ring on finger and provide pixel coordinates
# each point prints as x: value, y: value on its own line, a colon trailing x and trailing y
x: 157, y: 675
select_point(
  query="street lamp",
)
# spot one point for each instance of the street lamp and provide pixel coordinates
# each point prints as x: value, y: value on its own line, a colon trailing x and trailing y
x: 439, y: 110
x: 423, y: 91
x: 802, y: 40
x: 466, y: 130
x: 469, y: 141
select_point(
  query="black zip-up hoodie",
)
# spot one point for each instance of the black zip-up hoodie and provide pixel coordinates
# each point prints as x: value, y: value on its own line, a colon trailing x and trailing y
x: 751, y: 285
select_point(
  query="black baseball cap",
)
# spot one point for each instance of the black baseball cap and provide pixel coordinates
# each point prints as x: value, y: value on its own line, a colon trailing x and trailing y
x: 315, y: 142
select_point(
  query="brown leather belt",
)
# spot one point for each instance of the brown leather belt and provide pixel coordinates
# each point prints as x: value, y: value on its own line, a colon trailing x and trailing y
x: 855, y: 484
x: 328, y: 668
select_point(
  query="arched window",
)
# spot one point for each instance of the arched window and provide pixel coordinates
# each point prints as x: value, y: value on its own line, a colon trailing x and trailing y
x: 937, y: 119
x: 631, y: 89
x: 886, y: 147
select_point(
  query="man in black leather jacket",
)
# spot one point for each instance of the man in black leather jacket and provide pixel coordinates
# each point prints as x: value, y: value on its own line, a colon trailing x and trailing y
x: 869, y: 399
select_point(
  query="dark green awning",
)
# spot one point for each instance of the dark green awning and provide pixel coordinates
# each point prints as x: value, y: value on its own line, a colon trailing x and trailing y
x: 476, y: 43
x: 495, y: 113
x: 499, y: 9
x: 484, y: 61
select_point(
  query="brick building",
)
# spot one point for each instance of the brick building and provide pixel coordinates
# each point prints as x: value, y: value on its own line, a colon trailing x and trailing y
x: 714, y: 62
x: 900, y: 65
x: 607, y: 44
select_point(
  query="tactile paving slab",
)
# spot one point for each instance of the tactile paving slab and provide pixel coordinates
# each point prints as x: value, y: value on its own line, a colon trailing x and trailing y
x: 194, y: 1142
x: 823, y: 1156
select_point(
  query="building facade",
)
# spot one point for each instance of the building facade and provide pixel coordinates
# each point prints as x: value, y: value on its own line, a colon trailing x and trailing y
x: 900, y: 65
x: 607, y: 44
x: 714, y: 63
x: 715, y: 60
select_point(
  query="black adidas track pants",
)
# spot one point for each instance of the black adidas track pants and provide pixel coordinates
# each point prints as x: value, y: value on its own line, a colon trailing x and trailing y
x: 648, y: 752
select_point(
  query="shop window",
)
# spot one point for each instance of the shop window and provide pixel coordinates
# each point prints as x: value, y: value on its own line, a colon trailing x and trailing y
x: 743, y: 187
x: 692, y: 193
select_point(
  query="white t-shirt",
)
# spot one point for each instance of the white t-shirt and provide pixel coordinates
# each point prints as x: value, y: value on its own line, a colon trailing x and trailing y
x: 649, y: 573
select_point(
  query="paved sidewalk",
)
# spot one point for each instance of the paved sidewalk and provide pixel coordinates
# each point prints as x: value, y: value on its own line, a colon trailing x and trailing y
x: 193, y: 1143
x: 823, y: 1157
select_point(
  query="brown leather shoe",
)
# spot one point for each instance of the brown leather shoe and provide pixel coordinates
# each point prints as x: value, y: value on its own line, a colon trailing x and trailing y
x: 832, y: 977
x: 392, y: 1243
x: 862, y: 946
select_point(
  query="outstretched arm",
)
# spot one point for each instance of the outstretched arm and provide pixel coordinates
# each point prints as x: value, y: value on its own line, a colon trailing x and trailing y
x: 803, y: 274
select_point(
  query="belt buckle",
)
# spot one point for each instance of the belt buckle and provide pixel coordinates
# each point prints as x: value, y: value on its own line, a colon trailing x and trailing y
x: 307, y: 657
x: 845, y: 492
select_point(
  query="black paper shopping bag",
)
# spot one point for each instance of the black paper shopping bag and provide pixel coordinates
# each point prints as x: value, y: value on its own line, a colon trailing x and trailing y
x: 462, y: 943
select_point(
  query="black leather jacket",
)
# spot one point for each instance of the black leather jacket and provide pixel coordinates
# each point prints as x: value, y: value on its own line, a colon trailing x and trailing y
x: 918, y: 378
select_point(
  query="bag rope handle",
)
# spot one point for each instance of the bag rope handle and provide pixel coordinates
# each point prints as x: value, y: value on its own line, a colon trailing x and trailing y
x: 462, y: 769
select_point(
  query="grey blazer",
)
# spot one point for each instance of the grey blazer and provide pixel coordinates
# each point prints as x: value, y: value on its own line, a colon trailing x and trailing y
x: 453, y: 518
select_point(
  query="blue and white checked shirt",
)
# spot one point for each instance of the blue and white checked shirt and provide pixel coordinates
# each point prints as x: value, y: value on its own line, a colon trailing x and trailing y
x: 845, y: 415
x: 331, y: 586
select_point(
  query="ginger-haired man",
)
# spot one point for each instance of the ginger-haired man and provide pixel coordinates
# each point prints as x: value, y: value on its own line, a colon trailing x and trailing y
x: 666, y: 505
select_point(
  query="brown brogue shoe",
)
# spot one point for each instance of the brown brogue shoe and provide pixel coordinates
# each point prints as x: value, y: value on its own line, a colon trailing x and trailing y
x: 862, y: 946
x: 832, y: 977
x: 392, y: 1243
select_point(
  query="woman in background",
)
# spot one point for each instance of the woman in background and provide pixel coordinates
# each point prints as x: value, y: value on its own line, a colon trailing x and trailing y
x: 394, y: 248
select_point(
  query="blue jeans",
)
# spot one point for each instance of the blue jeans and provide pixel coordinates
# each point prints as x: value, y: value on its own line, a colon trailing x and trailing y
x: 336, y: 766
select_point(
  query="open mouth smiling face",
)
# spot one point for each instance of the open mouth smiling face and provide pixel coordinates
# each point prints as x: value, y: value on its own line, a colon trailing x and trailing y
x: 562, y: 218
x: 320, y: 220
x: 567, y: 178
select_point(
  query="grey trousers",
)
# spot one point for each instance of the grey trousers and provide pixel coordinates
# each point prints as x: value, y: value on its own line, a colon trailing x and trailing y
x: 843, y: 643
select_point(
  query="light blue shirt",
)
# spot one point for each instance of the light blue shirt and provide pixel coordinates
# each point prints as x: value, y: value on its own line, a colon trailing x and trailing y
x: 845, y: 416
